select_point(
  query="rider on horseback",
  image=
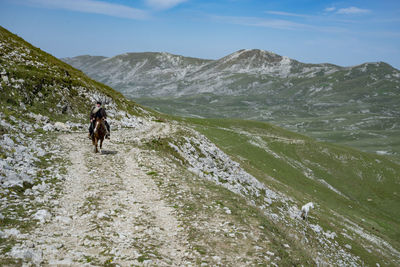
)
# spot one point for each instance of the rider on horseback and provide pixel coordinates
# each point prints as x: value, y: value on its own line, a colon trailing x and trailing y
x: 95, y: 113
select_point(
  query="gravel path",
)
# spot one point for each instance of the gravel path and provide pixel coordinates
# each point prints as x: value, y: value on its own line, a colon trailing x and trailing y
x: 111, y: 210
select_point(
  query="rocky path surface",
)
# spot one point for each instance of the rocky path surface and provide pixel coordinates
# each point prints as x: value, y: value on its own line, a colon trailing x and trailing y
x: 111, y: 211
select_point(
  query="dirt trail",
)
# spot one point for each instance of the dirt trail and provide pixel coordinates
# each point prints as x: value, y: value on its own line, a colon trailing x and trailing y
x: 111, y: 211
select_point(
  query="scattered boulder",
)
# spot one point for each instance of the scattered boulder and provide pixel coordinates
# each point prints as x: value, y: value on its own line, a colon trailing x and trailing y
x: 13, y: 232
x: 42, y: 216
x: 66, y: 109
x: 48, y: 127
x: 63, y: 219
x: 27, y: 255
x: 62, y: 127
x: 227, y: 210
x: 39, y: 117
x: 8, y: 141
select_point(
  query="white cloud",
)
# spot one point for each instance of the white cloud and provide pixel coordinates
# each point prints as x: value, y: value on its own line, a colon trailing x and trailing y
x: 92, y: 6
x: 164, y: 4
x: 353, y: 10
x: 260, y: 22
x: 330, y: 9
x: 275, y: 24
x: 282, y: 13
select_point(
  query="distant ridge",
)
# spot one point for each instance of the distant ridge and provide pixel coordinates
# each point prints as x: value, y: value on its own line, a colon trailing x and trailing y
x: 355, y: 105
x: 171, y: 75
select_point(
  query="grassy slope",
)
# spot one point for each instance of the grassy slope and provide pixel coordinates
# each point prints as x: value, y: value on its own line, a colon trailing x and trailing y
x: 200, y: 210
x: 47, y: 81
x: 369, y: 182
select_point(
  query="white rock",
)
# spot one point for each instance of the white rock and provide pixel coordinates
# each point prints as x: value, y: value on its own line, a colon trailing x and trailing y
x: 101, y: 215
x: 316, y: 228
x: 19, y: 149
x: 11, y: 232
x: 40, y: 187
x: 8, y: 141
x: 270, y: 253
x: 48, y: 127
x: 227, y: 210
x: 63, y: 219
x: 40, y: 152
x: 216, y: 258
x: 62, y: 127
x: 27, y: 254
x: 42, y: 216
x: 330, y: 235
x: 29, y: 244
x: 63, y: 262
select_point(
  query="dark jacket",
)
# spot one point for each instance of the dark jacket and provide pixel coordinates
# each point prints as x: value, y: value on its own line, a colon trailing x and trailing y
x: 98, y: 113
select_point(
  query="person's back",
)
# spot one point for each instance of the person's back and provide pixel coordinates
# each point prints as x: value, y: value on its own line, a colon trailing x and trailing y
x: 98, y: 112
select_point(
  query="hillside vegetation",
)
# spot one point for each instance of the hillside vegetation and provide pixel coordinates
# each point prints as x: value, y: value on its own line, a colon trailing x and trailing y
x: 34, y: 81
x: 362, y: 186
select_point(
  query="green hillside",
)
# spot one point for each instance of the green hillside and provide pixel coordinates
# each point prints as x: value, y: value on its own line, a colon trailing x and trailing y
x: 33, y: 80
x: 362, y: 187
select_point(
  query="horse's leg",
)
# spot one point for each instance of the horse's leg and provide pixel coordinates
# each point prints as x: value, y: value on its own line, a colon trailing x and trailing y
x: 95, y: 145
x: 101, y: 144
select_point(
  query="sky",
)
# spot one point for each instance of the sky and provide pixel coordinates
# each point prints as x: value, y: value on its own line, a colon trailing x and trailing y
x: 345, y: 33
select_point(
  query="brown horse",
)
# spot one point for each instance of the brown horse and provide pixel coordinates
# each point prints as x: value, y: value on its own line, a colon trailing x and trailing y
x: 99, y: 133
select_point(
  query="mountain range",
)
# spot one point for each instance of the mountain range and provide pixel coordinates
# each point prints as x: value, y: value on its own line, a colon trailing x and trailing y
x: 357, y: 106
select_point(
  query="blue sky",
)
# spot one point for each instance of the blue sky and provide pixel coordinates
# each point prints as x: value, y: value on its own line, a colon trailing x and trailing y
x: 315, y: 31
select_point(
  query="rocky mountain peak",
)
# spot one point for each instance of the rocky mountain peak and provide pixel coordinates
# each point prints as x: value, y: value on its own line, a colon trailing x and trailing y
x: 255, y: 61
x: 256, y: 57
